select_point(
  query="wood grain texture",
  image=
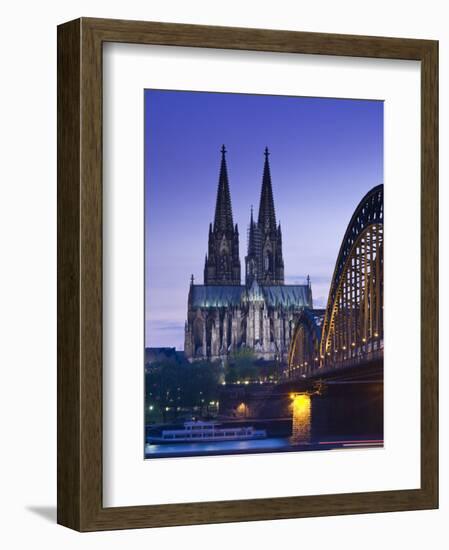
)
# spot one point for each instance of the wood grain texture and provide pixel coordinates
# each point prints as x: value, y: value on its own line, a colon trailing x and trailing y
x: 80, y: 274
x: 429, y: 271
x: 69, y: 434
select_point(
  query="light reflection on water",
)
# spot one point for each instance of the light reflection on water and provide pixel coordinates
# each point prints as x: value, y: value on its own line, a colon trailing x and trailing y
x: 215, y: 446
x: 300, y: 409
x: 298, y: 421
x: 302, y: 414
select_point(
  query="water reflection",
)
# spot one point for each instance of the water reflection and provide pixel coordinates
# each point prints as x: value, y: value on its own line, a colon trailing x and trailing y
x: 297, y: 421
x: 301, y: 415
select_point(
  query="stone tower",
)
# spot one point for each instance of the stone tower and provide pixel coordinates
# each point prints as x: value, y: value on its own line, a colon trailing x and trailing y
x: 222, y: 264
x: 264, y: 261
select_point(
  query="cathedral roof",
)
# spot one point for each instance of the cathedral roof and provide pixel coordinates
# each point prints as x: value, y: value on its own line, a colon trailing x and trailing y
x: 216, y: 295
x: 286, y: 296
x: 255, y: 293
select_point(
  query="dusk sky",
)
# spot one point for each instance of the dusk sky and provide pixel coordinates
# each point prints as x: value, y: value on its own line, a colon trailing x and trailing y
x: 325, y: 155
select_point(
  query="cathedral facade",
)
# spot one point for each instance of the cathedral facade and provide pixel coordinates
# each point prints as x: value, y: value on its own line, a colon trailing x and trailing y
x: 224, y: 315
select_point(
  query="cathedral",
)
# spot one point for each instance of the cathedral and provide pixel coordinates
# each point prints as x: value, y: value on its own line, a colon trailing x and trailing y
x: 223, y: 315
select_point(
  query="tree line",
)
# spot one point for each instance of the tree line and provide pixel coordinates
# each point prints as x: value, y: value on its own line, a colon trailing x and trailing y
x: 174, y: 386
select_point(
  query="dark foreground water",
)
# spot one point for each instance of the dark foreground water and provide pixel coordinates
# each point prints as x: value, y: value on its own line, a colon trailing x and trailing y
x: 344, y: 415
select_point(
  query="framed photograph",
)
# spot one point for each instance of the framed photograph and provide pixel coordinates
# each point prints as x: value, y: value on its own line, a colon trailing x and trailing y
x: 247, y: 274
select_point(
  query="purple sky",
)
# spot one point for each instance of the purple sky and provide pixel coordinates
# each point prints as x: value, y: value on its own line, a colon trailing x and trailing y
x: 325, y: 155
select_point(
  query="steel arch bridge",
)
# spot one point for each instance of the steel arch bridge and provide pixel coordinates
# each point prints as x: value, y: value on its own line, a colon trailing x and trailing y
x: 349, y: 332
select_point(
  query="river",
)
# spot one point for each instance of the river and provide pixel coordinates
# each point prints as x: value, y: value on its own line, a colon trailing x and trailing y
x: 343, y: 415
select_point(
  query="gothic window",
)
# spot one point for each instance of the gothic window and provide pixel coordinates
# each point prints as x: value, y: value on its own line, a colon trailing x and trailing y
x: 198, y: 334
x: 267, y: 261
x: 251, y: 268
x: 224, y: 246
x: 223, y: 264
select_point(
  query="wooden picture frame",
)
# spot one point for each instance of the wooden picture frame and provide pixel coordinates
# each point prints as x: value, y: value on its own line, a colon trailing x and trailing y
x: 80, y: 504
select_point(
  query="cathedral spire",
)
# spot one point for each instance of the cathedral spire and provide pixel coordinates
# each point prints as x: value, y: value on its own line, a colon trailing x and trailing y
x: 223, y: 210
x: 222, y: 262
x: 267, y: 215
x: 251, y: 235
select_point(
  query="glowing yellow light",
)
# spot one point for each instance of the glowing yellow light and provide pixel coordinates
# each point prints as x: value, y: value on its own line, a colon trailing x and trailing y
x: 241, y: 409
x: 353, y: 344
x: 344, y: 347
x: 363, y: 339
x: 301, y: 411
x: 246, y: 382
x: 376, y: 334
x: 301, y: 399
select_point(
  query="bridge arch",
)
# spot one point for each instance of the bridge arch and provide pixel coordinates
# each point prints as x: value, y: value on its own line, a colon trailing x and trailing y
x: 353, y: 322
x: 351, y: 330
x: 304, y: 351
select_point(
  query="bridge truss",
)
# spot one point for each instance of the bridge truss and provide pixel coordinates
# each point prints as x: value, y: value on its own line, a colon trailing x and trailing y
x: 350, y: 330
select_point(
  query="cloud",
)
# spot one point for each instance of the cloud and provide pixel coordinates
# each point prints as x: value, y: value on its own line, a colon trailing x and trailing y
x: 164, y: 325
x: 301, y: 279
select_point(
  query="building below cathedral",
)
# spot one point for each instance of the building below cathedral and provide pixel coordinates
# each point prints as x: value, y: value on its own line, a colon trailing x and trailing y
x: 225, y: 316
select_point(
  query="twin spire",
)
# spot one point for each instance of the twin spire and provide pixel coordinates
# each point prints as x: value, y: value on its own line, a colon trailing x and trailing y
x: 264, y: 260
x: 223, y: 220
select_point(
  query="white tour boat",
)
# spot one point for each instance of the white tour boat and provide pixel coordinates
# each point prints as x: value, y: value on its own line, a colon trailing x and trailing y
x: 202, y: 431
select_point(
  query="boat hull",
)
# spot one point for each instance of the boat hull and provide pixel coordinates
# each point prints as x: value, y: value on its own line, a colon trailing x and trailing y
x: 164, y: 441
